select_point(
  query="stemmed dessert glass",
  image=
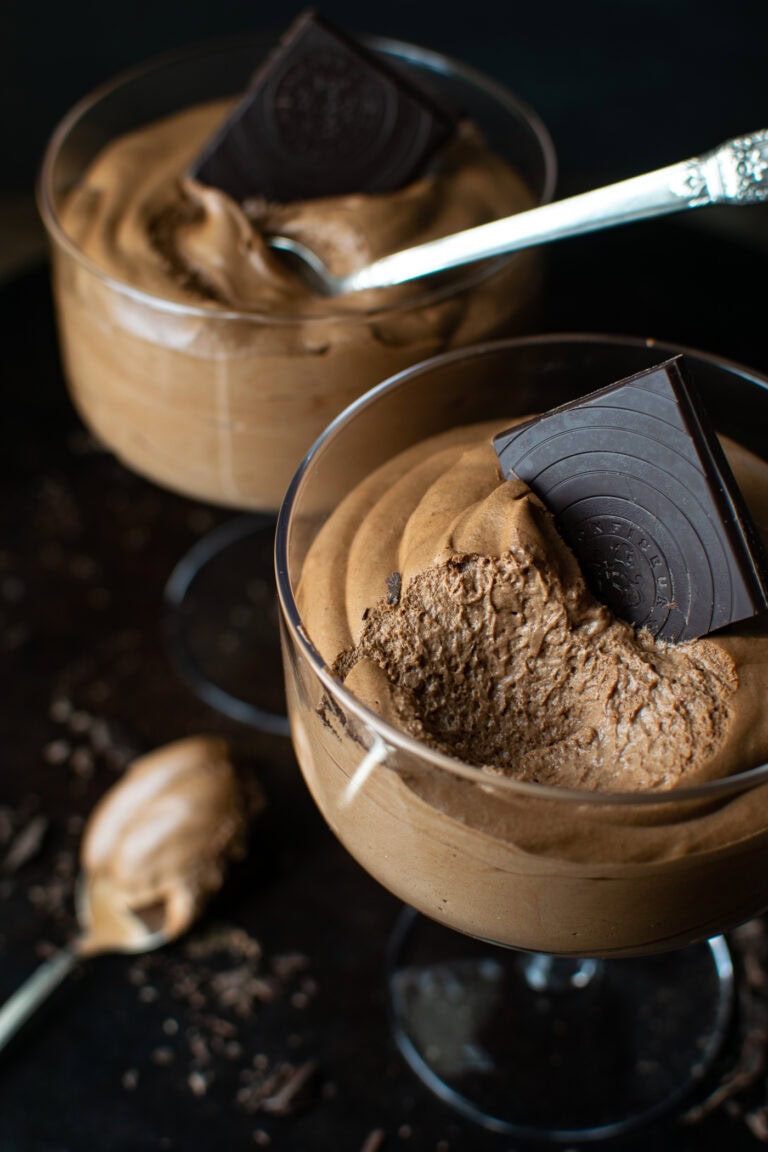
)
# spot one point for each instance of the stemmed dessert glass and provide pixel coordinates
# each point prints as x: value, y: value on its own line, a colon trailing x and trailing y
x: 221, y: 405
x: 559, y: 970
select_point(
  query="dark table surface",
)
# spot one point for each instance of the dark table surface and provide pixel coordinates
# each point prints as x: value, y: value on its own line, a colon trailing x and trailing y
x: 285, y: 973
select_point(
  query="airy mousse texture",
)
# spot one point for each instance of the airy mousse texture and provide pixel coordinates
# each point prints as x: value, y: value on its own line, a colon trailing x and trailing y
x: 198, y: 354
x: 509, y: 663
x: 446, y: 601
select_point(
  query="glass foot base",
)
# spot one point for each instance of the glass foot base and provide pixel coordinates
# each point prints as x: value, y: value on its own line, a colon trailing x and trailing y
x: 222, y: 623
x: 550, y: 1048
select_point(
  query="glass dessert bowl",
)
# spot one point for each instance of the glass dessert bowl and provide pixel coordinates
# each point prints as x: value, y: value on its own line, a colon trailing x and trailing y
x: 218, y: 401
x: 196, y: 355
x: 565, y: 875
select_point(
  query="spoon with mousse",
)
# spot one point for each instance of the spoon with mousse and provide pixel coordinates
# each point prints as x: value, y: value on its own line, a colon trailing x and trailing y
x: 154, y: 850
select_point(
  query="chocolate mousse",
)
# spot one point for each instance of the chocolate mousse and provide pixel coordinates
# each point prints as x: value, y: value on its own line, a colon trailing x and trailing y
x: 532, y: 706
x: 497, y: 653
x: 199, y: 355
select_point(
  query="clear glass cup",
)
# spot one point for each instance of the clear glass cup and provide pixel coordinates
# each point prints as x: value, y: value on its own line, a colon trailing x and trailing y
x: 512, y: 863
x: 222, y: 405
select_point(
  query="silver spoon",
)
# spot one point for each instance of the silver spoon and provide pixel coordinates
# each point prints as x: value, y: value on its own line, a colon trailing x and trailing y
x: 100, y: 933
x: 734, y: 173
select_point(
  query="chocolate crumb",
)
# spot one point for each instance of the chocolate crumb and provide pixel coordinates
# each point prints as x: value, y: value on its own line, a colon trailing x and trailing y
x: 198, y: 1083
x: 81, y: 762
x: 219, y: 1027
x: 25, y: 845
x: 57, y: 751
x: 237, y: 988
x: 198, y: 1047
x: 280, y: 1093
x: 225, y: 968
x: 61, y: 709
x: 394, y: 584
x: 289, y: 964
x: 290, y: 1093
x: 79, y: 721
x: 223, y: 938
x: 328, y: 711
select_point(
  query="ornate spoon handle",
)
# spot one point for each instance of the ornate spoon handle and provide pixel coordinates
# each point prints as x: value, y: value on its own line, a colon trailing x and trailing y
x: 734, y: 173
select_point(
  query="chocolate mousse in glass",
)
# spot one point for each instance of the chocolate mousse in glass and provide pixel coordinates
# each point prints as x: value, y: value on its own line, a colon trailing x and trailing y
x: 195, y: 352
x: 638, y: 831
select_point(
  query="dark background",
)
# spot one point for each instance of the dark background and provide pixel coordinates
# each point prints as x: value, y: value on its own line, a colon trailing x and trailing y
x: 624, y: 85
x: 85, y: 548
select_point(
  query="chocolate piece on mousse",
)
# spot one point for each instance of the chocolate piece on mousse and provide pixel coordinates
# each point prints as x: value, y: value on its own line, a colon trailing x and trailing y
x: 641, y: 492
x: 323, y: 117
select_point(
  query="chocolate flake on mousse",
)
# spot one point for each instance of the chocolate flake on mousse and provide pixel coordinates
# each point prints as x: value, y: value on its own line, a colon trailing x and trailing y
x: 323, y: 116
x: 26, y: 844
x: 642, y: 493
x: 394, y: 588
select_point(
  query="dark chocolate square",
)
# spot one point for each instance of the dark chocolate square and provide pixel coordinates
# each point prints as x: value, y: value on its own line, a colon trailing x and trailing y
x: 642, y: 493
x: 323, y: 116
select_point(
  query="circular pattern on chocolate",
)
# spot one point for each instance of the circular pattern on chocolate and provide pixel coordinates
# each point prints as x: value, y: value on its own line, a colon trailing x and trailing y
x: 641, y: 492
x: 626, y: 567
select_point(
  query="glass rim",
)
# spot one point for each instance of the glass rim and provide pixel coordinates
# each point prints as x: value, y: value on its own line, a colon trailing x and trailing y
x: 435, y: 61
x: 389, y: 734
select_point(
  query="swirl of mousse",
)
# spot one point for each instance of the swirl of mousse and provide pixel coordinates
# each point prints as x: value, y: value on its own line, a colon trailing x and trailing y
x: 139, y: 218
x: 157, y: 844
x: 493, y: 650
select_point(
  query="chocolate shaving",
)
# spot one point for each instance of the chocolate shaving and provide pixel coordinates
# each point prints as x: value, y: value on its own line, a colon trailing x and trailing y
x: 26, y: 844
x: 281, y: 1092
